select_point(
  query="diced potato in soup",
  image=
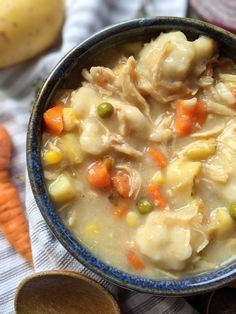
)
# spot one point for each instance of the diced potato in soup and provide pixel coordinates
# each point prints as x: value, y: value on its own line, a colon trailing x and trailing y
x: 140, y: 160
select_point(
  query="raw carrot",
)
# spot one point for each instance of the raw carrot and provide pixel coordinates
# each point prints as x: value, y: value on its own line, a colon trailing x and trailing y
x: 156, y: 196
x: 98, y: 175
x: 121, y: 209
x: 13, y: 223
x: 158, y: 157
x: 134, y: 260
x: 189, y: 118
x: 53, y: 119
x: 121, y: 185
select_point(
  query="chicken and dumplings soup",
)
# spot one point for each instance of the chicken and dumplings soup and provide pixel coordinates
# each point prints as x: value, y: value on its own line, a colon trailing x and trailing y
x: 140, y: 159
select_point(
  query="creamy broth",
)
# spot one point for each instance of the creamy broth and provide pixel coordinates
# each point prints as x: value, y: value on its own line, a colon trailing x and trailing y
x: 140, y: 159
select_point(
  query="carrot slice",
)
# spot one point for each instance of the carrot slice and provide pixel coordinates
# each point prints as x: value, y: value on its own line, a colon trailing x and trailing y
x: 53, y: 120
x: 98, y: 175
x: 134, y: 260
x: 158, y: 157
x: 13, y: 223
x: 156, y: 196
x: 189, y: 118
x: 121, y: 185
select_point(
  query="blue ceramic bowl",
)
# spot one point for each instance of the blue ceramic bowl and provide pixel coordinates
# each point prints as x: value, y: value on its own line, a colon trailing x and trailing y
x: 66, y: 75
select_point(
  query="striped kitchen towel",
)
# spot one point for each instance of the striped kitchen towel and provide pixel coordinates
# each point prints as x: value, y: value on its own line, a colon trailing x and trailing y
x: 84, y: 17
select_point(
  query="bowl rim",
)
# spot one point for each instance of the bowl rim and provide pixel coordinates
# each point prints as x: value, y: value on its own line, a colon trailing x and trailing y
x: 202, y: 282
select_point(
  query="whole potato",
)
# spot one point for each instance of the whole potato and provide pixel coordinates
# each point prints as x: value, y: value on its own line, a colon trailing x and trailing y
x: 28, y: 27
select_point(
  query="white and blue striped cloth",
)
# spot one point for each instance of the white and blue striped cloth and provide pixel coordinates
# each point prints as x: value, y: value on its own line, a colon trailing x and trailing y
x: 83, y: 18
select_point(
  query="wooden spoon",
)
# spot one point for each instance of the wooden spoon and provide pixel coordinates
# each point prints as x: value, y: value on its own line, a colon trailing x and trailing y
x: 63, y: 292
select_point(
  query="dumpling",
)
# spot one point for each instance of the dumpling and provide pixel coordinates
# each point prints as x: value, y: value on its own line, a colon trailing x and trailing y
x: 133, y: 122
x: 84, y: 101
x: 94, y: 138
x: 171, y: 239
x: 167, y: 61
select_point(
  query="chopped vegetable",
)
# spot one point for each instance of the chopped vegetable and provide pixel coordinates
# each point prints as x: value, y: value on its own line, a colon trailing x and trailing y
x: 121, y: 209
x: 221, y: 222
x: 132, y: 219
x: 53, y: 120
x: 134, y: 260
x: 158, y: 157
x: 201, y: 149
x: 52, y: 157
x: 155, y: 195
x: 175, y: 170
x: 105, y: 110
x: 69, y: 119
x: 92, y: 231
x: 98, y: 175
x: 71, y: 148
x: 144, y: 206
x: 62, y: 189
x: 13, y: 223
x: 189, y: 118
x: 121, y: 185
x: 232, y: 210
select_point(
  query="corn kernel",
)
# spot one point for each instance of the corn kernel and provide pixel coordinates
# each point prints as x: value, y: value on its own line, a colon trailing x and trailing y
x: 52, y: 157
x: 62, y: 189
x: 69, y: 119
x: 158, y: 178
x: 132, y: 219
x: 92, y: 231
x: 202, y: 149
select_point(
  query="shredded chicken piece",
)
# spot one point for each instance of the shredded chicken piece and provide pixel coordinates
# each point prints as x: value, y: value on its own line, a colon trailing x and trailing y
x: 146, y: 88
x: 135, y: 180
x: 227, y: 77
x: 103, y: 79
x: 211, y: 133
x: 215, y: 173
x: 162, y: 132
x: 96, y: 139
x: 199, y: 238
x: 129, y: 78
x: 119, y: 144
x: 217, y: 108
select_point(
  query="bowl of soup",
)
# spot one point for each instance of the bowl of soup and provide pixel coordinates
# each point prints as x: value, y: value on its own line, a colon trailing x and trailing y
x: 131, y: 155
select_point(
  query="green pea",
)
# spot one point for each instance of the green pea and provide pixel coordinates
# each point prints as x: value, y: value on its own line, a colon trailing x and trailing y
x: 105, y: 110
x: 232, y: 210
x: 144, y: 206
